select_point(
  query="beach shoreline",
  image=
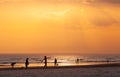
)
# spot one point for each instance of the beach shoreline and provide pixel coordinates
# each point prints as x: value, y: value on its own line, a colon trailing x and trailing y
x: 107, y: 70
x: 72, y: 66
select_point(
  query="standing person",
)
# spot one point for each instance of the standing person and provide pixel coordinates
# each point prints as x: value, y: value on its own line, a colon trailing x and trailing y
x: 55, y: 62
x: 26, y: 62
x: 77, y: 60
x: 45, y: 61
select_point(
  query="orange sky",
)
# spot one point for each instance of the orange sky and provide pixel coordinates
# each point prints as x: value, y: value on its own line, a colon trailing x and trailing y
x: 54, y: 26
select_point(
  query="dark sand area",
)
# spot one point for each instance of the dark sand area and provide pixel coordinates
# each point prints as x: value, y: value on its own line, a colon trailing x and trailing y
x: 100, y: 70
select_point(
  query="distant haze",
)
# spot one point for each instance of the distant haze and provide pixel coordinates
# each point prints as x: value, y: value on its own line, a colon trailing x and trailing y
x: 60, y: 26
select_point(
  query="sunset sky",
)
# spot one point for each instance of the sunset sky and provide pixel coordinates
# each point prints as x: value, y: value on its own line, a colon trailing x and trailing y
x: 60, y: 26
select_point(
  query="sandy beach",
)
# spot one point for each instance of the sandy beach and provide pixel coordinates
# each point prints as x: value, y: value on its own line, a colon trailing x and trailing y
x: 112, y: 70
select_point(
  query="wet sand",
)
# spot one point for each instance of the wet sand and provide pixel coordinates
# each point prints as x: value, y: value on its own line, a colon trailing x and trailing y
x: 101, y: 70
x: 105, y: 64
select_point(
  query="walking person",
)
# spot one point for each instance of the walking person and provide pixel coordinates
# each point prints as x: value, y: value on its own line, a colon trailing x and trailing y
x: 26, y: 62
x: 55, y: 62
x: 45, y: 61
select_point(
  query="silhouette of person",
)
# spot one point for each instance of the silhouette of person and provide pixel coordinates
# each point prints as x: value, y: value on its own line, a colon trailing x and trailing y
x: 45, y: 61
x: 108, y: 60
x: 77, y: 60
x: 12, y: 64
x: 55, y: 62
x: 26, y: 62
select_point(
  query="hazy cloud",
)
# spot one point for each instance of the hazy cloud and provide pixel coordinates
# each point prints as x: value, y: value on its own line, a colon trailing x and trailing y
x: 109, y: 1
x: 63, y: 1
x: 73, y: 27
x: 103, y: 22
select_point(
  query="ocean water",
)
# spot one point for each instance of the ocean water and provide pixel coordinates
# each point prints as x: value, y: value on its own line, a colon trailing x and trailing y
x: 63, y: 60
